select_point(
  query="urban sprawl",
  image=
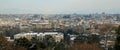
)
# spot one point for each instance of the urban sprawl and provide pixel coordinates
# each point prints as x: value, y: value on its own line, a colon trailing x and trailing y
x: 60, y: 31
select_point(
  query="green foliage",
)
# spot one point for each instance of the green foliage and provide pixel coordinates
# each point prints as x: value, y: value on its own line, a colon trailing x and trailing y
x: 80, y: 39
x: 118, y: 30
x: 117, y: 44
x: 86, y: 39
x: 66, y: 39
x: 41, y: 45
x: 72, y: 32
x: 59, y: 46
x: 23, y: 42
x: 38, y: 45
x: 34, y: 40
x: 11, y: 31
x: 93, y: 39
x: 49, y: 40
x: 48, y: 43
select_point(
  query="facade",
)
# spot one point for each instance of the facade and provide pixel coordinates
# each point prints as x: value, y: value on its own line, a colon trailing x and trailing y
x: 40, y: 36
x: 25, y: 35
x: 8, y: 38
x: 42, y: 25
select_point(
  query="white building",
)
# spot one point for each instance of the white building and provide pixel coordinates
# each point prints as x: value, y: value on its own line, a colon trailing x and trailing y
x: 40, y: 36
x: 25, y: 35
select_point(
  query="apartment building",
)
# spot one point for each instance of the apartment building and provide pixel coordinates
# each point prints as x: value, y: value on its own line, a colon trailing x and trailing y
x: 40, y: 36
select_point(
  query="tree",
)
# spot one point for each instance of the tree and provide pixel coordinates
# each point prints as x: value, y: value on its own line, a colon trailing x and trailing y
x: 72, y: 32
x: 66, y: 39
x: 81, y: 39
x: 36, y: 45
x: 49, y: 41
x: 34, y: 40
x: 11, y: 31
x: 86, y: 47
x: 93, y: 39
x: 117, y: 44
x: 59, y: 46
x: 20, y: 48
x: 22, y: 42
x: 41, y: 45
x: 4, y: 44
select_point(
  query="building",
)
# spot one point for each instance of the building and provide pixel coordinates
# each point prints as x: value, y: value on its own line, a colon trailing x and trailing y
x: 40, y: 36
x: 8, y: 38
x: 25, y: 35
x: 42, y: 24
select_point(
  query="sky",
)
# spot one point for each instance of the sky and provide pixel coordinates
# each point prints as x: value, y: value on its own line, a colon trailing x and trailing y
x: 58, y: 6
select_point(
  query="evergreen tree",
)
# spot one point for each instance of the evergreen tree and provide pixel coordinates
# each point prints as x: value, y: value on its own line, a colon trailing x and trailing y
x: 80, y: 39
x: 117, y: 44
x: 22, y: 42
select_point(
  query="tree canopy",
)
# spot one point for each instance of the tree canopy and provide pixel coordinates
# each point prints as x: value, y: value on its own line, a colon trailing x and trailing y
x: 117, y: 44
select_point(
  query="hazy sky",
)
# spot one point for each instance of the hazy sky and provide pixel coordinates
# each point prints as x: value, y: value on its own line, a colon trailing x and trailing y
x: 58, y: 6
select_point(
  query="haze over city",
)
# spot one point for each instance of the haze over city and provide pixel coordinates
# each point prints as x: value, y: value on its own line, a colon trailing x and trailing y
x: 59, y: 25
x: 58, y: 6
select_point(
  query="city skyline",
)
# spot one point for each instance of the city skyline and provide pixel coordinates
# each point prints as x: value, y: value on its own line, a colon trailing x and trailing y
x: 58, y: 6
